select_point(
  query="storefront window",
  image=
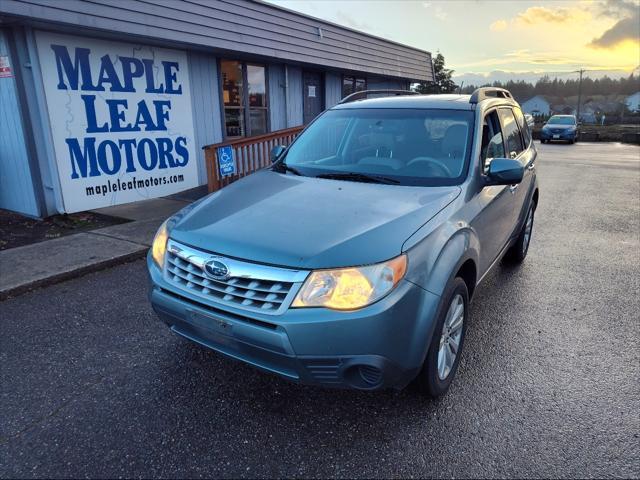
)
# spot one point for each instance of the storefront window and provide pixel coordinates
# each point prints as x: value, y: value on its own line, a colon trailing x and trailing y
x: 257, y: 100
x: 245, y: 109
x: 353, y: 84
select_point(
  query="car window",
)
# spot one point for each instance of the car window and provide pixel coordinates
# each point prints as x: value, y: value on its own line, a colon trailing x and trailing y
x: 562, y: 120
x: 410, y: 146
x: 492, y: 142
x: 524, y: 128
x: 512, y: 137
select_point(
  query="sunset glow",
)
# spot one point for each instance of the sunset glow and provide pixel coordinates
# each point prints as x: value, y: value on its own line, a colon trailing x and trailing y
x: 484, y: 36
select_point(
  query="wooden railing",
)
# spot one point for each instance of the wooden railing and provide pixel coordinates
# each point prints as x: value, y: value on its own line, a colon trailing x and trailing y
x: 251, y: 154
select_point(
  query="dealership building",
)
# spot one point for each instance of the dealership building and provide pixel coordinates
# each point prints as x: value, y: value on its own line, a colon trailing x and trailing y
x: 108, y: 102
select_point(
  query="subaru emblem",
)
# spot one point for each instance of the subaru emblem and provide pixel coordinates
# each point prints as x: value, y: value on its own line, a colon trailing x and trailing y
x: 216, y: 269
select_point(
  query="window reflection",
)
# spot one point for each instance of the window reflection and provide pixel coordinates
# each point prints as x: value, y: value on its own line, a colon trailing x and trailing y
x: 237, y: 100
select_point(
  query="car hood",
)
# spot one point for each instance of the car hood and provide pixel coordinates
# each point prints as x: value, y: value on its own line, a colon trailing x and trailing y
x: 306, y: 222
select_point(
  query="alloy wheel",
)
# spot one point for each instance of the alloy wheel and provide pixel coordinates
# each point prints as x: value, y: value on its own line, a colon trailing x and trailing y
x: 450, y: 337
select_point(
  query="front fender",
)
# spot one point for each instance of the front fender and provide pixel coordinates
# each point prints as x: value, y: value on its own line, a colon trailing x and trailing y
x: 438, y: 257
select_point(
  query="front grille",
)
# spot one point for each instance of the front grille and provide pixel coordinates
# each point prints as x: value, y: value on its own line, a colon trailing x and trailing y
x: 251, y: 286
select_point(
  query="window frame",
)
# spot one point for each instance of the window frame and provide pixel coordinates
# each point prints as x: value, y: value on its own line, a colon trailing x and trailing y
x: 485, y: 168
x: 504, y: 137
x: 245, y: 107
x: 522, y: 126
x: 354, y: 81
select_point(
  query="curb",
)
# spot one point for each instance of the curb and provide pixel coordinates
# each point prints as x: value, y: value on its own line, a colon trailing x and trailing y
x: 78, y: 272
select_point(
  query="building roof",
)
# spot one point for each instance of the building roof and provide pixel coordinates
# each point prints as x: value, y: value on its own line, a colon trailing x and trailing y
x: 232, y: 28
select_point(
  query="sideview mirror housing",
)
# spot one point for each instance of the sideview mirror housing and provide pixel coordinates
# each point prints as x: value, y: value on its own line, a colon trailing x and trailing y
x: 504, y: 171
x: 276, y: 152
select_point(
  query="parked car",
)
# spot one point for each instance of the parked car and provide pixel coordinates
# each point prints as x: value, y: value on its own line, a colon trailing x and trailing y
x: 560, y: 127
x: 530, y: 120
x: 351, y: 262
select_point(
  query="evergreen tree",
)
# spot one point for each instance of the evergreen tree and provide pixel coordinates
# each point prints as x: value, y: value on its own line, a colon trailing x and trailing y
x: 443, y: 82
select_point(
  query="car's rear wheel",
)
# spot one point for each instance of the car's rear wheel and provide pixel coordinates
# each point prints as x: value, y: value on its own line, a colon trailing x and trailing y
x: 518, y: 251
x: 443, y: 356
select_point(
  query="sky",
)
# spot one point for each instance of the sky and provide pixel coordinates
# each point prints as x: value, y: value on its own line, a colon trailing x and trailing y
x: 500, y: 39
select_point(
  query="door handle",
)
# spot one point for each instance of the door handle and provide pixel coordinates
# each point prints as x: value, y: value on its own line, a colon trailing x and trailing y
x: 513, y: 188
x: 531, y: 166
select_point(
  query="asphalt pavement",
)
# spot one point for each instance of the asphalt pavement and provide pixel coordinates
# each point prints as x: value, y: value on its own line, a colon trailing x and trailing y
x: 93, y: 385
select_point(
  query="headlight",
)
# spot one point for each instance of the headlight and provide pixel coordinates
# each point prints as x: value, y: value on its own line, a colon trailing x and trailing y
x: 351, y: 288
x: 159, y: 246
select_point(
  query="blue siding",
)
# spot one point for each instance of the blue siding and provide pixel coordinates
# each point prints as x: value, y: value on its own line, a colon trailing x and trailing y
x: 294, y: 97
x: 16, y: 186
x: 205, y: 99
x: 277, y: 100
x: 333, y: 89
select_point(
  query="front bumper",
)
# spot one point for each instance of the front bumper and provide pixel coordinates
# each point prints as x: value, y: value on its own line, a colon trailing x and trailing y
x: 380, y: 346
x: 565, y: 135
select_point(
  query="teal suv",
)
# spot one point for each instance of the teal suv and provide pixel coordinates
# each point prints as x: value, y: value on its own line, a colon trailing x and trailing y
x: 351, y: 261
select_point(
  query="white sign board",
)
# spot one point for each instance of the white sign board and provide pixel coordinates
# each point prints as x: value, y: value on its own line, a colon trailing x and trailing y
x: 121, y: 120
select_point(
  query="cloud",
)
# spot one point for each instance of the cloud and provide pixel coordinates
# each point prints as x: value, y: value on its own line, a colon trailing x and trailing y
x: 498, y: 25
x: 627, y: 27
x: 537, y: 15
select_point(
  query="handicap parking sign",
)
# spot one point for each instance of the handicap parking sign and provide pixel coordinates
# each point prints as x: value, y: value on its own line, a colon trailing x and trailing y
x: 226, y: 161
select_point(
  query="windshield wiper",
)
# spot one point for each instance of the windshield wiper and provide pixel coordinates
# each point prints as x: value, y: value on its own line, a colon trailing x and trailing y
x: 358, y: 177
x: 283, y: 167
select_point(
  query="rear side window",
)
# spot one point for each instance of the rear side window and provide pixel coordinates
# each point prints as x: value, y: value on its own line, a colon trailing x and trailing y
x: 511, y: 133
x: 524, y: 128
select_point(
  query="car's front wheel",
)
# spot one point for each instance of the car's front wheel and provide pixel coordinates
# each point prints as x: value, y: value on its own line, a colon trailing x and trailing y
x: 443, y: 356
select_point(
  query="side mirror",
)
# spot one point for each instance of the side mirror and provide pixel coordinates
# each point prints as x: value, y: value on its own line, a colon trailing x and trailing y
x: 276, y: 152
x: 504, y: 171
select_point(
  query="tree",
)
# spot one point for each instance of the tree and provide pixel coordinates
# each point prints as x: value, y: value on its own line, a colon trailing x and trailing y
x: 442, y: 75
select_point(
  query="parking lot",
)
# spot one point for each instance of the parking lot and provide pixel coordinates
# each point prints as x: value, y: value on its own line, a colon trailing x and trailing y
x: 92, y: 384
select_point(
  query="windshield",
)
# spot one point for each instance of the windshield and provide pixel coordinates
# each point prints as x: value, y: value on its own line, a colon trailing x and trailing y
x: 562, y: 121
x: 402, y: 146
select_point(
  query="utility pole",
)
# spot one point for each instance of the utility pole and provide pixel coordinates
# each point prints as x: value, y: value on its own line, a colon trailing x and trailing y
x: 581, y: 71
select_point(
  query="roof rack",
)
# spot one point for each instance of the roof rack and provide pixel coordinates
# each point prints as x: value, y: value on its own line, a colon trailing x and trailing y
x: 364, y: 94
x: 483, y: 93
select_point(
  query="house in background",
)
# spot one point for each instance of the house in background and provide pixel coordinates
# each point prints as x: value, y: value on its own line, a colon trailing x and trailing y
x: 106, y: 103
x: 633, y: 102
x: 537, y: 106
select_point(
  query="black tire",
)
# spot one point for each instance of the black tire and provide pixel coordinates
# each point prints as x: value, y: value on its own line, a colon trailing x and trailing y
x: 428, y: 381
x: 543, y: 141
x: 518, y: 251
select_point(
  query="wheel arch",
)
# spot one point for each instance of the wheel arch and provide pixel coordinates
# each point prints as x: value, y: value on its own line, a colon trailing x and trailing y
x: 456, y: 256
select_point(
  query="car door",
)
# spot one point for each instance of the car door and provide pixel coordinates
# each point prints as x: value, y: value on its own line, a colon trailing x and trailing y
x: 515, y: 149
x: 528, y: 159
x: 493, y: 222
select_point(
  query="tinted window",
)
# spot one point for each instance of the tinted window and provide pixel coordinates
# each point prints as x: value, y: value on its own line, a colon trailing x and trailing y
x: 562, y: 120
x: 524, y: 128
x: 511, y: 132
x: 492, y: 142
x: 411, y: 146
